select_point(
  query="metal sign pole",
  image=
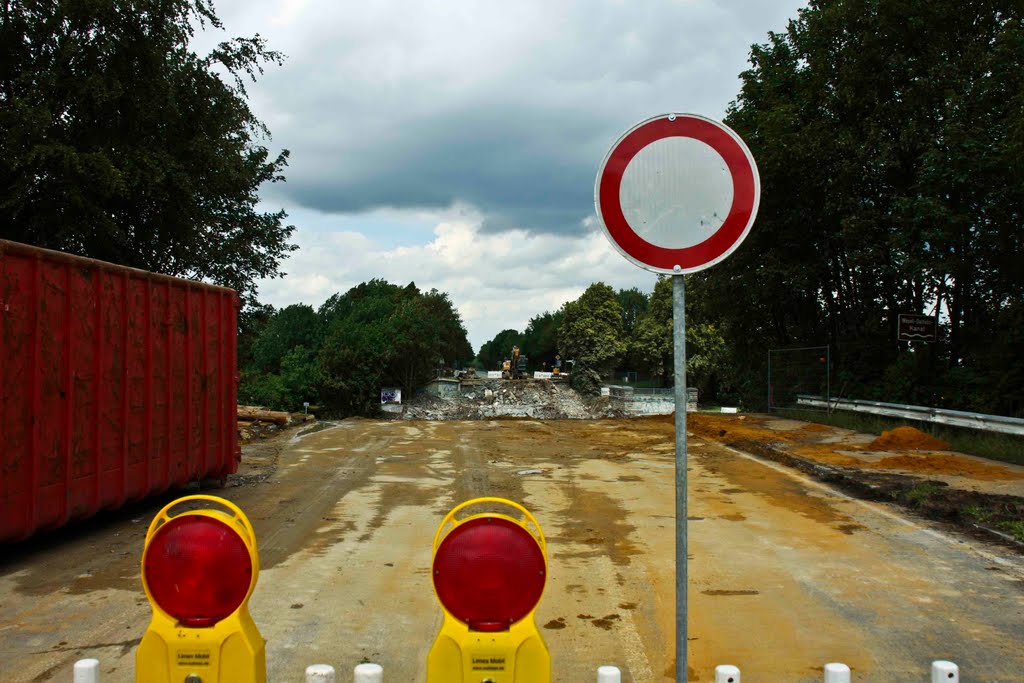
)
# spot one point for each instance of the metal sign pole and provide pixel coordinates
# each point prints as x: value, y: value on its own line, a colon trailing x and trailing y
x: 679, y: 359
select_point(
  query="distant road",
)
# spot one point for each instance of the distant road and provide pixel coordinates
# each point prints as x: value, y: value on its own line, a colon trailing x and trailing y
x: 786, y: 574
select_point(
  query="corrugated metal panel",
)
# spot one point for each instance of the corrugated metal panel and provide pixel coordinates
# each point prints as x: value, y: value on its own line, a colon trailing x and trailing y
x: 116, y: 384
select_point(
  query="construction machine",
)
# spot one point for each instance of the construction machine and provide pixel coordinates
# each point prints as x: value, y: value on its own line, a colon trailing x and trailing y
x: 515, y: 367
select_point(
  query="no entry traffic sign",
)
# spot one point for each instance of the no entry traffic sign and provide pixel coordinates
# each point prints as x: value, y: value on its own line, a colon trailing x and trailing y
x: 677, y: 193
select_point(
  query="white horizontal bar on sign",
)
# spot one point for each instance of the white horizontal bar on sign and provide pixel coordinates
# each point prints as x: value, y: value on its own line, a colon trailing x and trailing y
x: 537, y: 374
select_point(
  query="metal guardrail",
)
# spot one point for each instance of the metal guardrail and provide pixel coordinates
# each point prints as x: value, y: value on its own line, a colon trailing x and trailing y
x: 951, y: 418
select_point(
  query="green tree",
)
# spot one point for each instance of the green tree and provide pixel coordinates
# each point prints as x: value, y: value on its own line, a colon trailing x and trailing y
x: 540, y: 339
x: 592, y: 334
x: 292, y: 326
x: 252, y: 320
x: 492, y: 353
x: 634, y: 303
x: 119, y: 143
x: 889, y: 137
x: 378, y: 334
x: 707, y: 357
x: 651, y: 343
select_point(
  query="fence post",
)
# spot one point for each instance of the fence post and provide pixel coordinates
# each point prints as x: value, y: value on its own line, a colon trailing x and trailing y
x: 727, y: 673
x: 87, y: 671
x: 945, y: 672
x: 319, y: 673
x: 609, y: 674
x: 837, y: 673
x: 369, y: 673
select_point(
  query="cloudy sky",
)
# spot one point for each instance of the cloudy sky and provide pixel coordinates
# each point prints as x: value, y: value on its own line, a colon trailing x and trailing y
x: 455, y: 143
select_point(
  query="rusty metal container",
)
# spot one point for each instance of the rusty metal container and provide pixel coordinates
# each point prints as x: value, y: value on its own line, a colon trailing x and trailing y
x: 115, y: 384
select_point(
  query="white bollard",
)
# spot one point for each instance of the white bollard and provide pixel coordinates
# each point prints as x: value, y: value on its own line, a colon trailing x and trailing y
x: 837, y: 673
x: 727, y: 673
x: 945, y: 672
x: 369, y: 673
x: 319, y: 673
x: 87, y: 671
x: 609, y: 674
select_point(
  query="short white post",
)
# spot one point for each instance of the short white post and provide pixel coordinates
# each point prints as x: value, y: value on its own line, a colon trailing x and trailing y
x: 609, y: 674
x: 319, y: 673
x: 727, y: 673
x: 87, y: 671
x: 837, y: 673
x: 369, y: 673
x: 945, y: 672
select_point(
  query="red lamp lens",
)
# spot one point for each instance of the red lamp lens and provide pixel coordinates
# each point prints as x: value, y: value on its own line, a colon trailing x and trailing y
x: 198, y: 570
x: 489, y: 573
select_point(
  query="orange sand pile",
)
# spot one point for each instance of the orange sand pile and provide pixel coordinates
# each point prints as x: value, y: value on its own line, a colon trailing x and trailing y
x: 907, y: 439
x: 735, y: 427
x: 945, y: 464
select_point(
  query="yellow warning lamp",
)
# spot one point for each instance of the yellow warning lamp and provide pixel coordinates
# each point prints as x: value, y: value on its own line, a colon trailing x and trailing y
x: 489, y: 571
x: 199, y: 568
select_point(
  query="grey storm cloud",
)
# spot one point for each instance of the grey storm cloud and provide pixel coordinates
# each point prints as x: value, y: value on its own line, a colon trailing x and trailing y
x: 507, y: 108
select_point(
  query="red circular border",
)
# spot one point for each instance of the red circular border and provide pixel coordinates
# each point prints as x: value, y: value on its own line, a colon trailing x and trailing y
x: 731, y: 230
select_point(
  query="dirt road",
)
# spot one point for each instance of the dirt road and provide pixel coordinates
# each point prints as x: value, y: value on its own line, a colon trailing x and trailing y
x: 786, y: 573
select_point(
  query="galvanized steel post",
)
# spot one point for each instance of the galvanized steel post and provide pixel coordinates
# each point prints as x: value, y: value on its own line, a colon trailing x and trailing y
x: 679, y: 358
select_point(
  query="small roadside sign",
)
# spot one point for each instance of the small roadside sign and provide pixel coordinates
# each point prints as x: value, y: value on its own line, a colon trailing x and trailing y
x: 677, y: 193
x: 921, y: 328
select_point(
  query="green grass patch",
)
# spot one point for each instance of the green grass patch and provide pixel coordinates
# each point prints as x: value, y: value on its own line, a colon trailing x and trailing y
x: 919, y: 494
x: 1015, y: 529
x: 978, y: 514
x: 1002, y: 447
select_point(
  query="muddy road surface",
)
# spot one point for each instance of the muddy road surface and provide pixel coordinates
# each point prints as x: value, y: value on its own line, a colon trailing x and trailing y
x: 786, y: 573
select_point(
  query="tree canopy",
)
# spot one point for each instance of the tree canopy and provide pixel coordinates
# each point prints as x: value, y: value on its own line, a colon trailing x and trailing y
x: 889, y: 139
x: 120, y: 143
x: 492, y: 353
x: 375, y: 335
x: 592, y: 334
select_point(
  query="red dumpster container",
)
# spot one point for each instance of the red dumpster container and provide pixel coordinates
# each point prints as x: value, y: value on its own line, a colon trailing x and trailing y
x: 115, y: 384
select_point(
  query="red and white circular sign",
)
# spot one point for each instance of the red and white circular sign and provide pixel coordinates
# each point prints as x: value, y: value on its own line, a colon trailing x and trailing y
x: 677, y: 193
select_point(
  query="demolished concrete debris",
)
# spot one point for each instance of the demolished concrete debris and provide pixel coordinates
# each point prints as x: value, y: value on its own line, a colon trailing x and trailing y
x: 488, y: 399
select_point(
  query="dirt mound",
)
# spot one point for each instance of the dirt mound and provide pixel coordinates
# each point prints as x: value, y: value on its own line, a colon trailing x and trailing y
x: 907, y: 439
x: 945, y: 464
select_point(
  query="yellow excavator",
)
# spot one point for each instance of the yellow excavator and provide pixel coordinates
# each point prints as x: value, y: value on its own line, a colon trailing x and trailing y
x: 514, y: 368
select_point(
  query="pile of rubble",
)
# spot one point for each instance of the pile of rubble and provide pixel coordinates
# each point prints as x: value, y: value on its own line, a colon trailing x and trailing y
x: 487, y: 399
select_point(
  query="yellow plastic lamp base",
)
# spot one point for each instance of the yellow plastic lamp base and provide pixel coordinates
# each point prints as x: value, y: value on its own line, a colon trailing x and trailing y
x: 230, y: 651
x: 517, y: 655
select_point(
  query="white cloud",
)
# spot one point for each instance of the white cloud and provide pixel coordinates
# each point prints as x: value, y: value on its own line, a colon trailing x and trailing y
x: 455, y: 143
x: 505, y: 106
x: 496, y: 280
